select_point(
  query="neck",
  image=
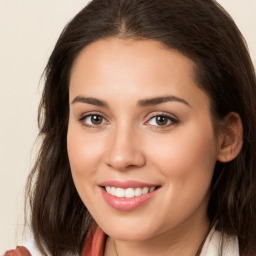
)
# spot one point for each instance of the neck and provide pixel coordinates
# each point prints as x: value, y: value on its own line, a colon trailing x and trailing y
x: 184, y: 240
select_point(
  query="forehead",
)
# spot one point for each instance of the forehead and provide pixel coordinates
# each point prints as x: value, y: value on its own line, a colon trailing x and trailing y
x: 133, y: 68
x: 146, y: 54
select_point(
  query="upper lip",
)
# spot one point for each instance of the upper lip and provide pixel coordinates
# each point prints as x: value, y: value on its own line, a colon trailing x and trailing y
x: 126, y: 184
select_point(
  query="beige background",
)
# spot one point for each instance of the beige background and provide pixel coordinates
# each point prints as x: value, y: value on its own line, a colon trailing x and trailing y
x: 29, y: 30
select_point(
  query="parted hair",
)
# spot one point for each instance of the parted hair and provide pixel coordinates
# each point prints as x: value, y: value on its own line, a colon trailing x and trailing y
x: 199, y: 29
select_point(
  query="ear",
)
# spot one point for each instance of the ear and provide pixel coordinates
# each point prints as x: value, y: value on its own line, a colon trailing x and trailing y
x: 230, y: 138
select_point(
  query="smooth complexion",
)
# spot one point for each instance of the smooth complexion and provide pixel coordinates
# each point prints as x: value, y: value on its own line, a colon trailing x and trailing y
x: 117, y: 133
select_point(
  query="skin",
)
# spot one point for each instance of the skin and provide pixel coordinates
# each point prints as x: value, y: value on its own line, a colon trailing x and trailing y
x: 130, y: 145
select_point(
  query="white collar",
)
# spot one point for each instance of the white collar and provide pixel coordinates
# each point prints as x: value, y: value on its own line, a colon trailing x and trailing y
x: 218, y: 244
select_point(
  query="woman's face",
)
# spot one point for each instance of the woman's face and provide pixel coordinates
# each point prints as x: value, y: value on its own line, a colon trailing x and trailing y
x: 140, y: 128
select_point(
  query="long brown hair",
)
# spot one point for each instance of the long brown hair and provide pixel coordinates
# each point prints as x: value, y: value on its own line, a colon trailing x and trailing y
x: 201, y: 30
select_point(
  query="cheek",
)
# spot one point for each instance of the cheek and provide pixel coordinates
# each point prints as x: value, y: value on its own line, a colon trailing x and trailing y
x: 84, y: 153
x: 189, y: 148
x: 186, y: 164
x: 186, y: 160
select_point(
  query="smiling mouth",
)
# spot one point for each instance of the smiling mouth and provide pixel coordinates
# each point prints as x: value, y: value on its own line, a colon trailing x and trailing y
x: 129, y: 192
x: 127, y: 195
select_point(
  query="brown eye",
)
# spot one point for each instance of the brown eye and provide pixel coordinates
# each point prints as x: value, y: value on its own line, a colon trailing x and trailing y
x: 96, y: 120
x: 92, y: 120
x: 162, y: 121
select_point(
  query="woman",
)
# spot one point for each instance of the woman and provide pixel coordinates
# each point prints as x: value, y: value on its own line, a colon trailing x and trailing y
x: 147, y: 118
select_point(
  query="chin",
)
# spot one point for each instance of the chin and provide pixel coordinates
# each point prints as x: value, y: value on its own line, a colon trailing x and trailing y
x: 131, y: 235
x: 130, y: 230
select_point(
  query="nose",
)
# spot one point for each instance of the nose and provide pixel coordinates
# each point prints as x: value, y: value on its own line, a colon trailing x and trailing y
x: 125, y: 150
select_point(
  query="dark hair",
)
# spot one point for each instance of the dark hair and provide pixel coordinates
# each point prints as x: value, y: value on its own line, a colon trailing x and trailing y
x: 201, y: 30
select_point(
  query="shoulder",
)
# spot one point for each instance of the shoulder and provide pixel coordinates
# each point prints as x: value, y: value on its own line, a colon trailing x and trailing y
x: 19, y: 251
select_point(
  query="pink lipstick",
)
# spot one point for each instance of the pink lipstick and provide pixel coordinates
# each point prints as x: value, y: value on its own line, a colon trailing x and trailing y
x: 127, y: 195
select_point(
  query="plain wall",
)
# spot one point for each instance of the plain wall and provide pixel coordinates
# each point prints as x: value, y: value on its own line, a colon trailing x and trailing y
x: 29, y: 30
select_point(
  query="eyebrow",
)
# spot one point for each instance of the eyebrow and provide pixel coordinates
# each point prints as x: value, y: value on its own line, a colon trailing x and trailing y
x: 141, y: 103
x: 90, y: 100
x: 159, y: 100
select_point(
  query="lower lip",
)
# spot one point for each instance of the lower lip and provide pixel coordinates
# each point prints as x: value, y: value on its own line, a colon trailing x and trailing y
x: 126, y: 204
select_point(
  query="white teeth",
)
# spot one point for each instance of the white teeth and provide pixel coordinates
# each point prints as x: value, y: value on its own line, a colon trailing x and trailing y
x: 119, y: 192
x: 129, y: 192
x: 108, y: 189
x: 145, y: 190
x: 152, y: 189
x: 113, y: 191
x: 138, y: 192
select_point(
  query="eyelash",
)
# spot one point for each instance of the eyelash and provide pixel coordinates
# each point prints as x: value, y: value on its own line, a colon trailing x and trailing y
x: 172, y: 121
x: 83, y: 118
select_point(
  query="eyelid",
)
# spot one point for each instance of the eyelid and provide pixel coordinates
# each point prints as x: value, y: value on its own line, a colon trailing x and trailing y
x: 88, y: 114
x: 174, y: 119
